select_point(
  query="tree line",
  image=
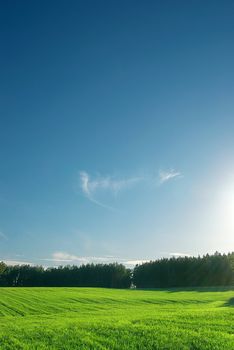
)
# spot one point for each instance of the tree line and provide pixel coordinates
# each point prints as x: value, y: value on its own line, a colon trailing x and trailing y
x: 91, y: 275
x: 209, y: 270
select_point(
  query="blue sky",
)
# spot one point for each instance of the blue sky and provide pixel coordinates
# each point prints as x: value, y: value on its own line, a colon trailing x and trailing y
x: 116, y: 130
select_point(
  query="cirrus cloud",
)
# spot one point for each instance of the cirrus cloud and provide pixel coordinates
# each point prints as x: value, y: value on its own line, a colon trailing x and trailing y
x: 92, y: 186
x: 166, y: 175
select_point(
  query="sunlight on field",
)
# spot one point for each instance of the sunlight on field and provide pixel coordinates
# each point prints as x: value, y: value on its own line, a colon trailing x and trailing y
x: 89, y: 318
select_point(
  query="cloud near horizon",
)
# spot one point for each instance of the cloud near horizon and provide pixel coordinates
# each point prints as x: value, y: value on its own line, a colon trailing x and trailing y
x: 16, y: 262
x: 64, y: 257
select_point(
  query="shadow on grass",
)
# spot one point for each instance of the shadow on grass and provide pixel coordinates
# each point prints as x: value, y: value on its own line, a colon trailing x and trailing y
x: 230, y: 303
x: 191, y: 289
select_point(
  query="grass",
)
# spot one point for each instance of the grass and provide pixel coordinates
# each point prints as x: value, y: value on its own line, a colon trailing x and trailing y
x: 91, y: 318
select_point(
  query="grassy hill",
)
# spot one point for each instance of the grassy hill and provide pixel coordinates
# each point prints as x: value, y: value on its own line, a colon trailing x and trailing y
x: 89, y: 318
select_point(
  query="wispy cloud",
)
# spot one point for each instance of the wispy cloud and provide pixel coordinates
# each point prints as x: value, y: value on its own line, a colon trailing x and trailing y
x: 165, y: 176
x: 64, y: 258
x: 95, y: 187
x: 91, y: 186
x: 16, y: 262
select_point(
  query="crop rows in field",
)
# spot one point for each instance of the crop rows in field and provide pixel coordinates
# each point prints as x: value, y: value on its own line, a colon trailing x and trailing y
x: 89, y: 318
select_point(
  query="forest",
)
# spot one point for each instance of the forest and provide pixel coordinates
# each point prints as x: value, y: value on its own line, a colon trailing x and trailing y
x: 208, y: 270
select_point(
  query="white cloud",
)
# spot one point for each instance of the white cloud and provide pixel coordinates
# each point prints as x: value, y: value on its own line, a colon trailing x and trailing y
x: 62, y: 256
x: 16, y: 262
x: 66, y: 258
x: 107, y: 183
x: 70, y: 258
x: 94, y: 187
x: 165, y: 176
x: 90, y: 187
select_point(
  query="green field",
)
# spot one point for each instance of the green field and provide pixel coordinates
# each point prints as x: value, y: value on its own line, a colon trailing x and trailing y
x: 89, y: 318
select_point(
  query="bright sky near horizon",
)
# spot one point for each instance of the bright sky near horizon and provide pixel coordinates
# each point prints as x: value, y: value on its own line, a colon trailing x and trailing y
x: 116, y: 130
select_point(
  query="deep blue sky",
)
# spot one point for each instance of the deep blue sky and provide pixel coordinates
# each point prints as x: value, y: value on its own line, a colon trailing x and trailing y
x: 116, y: 129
